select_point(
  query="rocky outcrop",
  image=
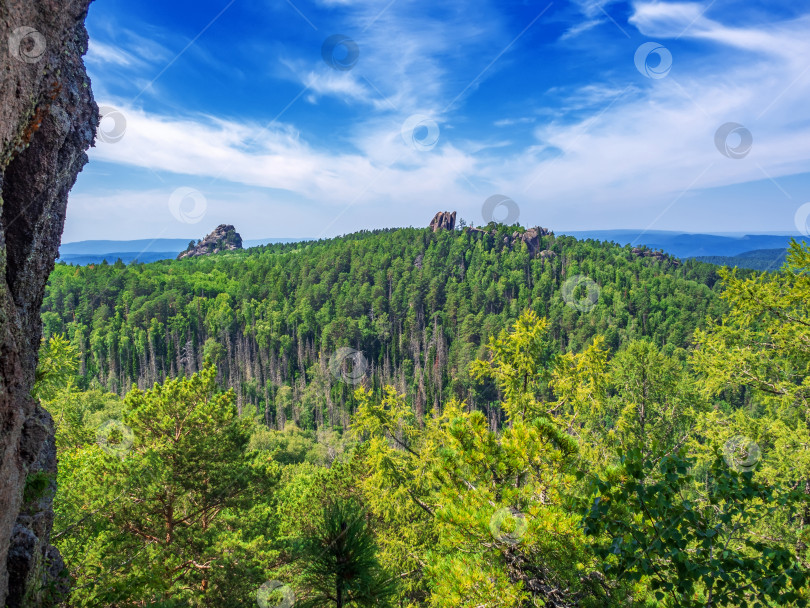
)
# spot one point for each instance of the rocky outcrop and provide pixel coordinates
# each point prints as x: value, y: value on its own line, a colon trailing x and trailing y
x: 48, y: 119
x: 531, y: 237
x: 223, y: 238
x: 443, y: 220
x: 643, y: 252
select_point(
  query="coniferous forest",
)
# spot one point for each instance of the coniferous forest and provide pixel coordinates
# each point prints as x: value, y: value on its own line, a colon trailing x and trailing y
x: 430, y: 419
x: 420, y: 307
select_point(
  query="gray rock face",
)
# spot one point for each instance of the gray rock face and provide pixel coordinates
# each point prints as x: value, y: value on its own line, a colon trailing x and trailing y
x: 223, y: 238
x: 48, y: 119
x: 443, y: 220
x: 532, y: 238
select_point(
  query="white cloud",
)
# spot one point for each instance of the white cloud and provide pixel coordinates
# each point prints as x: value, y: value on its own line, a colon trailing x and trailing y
x: 651, y: 147
x: 227, y: 151
x: 384, y: 168
x: 324, y: 81
x: 594, y: 13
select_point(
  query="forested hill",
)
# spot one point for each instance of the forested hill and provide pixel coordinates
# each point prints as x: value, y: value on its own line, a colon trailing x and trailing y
x: 418, y: 305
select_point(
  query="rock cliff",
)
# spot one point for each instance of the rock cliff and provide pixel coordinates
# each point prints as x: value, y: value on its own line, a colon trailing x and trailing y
x: 443, y: 220
x: 48, y: 120
x: 223, y: 238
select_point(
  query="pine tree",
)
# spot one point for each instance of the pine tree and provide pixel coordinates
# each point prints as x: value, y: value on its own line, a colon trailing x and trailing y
x: 339, y: 561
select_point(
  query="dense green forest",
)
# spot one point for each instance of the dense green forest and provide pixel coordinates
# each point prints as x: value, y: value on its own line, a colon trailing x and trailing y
x: 661, y: 469
x: 417, y: 307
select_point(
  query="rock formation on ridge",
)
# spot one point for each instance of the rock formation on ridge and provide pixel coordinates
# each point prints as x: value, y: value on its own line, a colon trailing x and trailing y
x: 531, y: 237
x: 223, y: 238
x: 644, y: 252
x: 443, y: 220
x: 48, y: 119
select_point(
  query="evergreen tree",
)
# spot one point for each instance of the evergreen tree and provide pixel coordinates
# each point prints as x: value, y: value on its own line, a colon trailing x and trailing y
x: 161, y: 505
x: 339, y: 561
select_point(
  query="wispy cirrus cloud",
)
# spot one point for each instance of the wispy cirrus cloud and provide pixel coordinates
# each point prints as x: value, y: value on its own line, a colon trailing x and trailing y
x: 580, y: 28
x: 409, y: 61
x: 105, y: 54
x: 676, y: 19
x: 593, y: 13
x: 592, y: 8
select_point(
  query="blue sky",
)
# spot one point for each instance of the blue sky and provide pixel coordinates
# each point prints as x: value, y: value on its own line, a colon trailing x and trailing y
x: 228, y: 111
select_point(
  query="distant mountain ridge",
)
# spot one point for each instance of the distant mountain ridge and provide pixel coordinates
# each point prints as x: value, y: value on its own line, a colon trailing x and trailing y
x: 759, y: 259
x: 142, y: 250
x: 689, y: 245
x: 137, y: 246
x: 127, y: 257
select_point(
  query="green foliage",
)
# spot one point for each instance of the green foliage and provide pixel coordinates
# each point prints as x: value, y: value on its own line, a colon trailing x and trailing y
x: 294, y: 446
x: 694, y: 548
x: 761, y: 350
x: 421, y: 306
x: 520, y: 366
x: 58, y: 364
x: 762, y: 342
x: 36, y: 486
x: 505, y: 449
x: 652, y: 402
x: 213, y: 352
x: 80, y: 415
x: 495, y: 503
x: 168, y: 520
x: 339, y: 563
